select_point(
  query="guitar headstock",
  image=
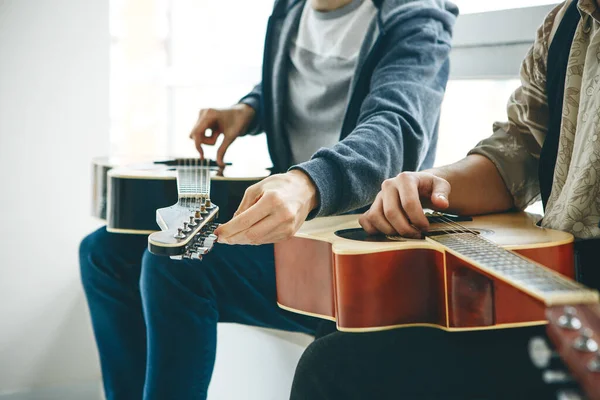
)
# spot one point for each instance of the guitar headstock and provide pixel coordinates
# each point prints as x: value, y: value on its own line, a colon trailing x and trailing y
x: 186, y: 229
x: 575, y: 334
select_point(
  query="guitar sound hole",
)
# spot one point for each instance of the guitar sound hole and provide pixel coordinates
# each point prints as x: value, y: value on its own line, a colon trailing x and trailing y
x: 360, y: 235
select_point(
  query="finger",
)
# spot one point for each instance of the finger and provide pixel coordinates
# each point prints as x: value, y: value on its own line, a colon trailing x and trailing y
x: 378, y: 220
x: 440, y: 193
x: 366, y: 224
x: 227, y: 140
x: 267, y: 230
x: 392, y: 210
x: 214, y: 134
x: 411, y: 203
x: 365, y: 219
x: 200, y: 118
x: 206, y: 120
x: 199, y: 148
x: 251, y: 195
x: 243, y: 221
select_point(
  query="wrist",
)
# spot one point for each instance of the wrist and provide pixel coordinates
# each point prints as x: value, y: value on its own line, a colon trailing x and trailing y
x: 247, y: 111
x: 307, y: 187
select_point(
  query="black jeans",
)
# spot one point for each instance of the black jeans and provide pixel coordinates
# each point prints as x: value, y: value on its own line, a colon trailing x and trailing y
x: 420, y: 363
x: 427, y: 363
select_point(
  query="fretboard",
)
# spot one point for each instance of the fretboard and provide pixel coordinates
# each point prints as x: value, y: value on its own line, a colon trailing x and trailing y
x: 541, y: 282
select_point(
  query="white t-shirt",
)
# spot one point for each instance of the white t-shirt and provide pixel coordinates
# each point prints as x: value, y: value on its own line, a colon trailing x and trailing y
x: 323, y: 57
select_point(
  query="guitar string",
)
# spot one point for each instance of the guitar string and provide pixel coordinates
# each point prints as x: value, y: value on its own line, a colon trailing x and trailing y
x: 460, y: 228
x: 191, y: 182
x: 496, y: 246
x: 201, y: 183
x: 179, y: 182
x: 206, y: 184
x: 454, y: 228
x: 185, y: 180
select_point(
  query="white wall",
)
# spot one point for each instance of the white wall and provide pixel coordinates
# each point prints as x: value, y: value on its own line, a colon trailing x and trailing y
x: 54, y: 74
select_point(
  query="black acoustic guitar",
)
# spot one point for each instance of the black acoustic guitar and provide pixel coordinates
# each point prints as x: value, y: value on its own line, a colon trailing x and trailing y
x: 127, y: 193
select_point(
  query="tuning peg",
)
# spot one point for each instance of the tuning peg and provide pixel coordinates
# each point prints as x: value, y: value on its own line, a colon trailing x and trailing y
x: 208, y: 203
x: 201, y: 250
x: 552, y: 377
x: 585, y: 342
x: 541, y: 354
x: 569, y: 319
x: 186, y: 229
x: 210, y: 240
x: 569, y: 395
x: 197, y: 216
x: 179, y: 234
x: 192, y: 221
x: 594, y: 364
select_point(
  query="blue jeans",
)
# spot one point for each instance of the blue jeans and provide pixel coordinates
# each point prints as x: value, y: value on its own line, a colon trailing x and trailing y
x: 155, y: 319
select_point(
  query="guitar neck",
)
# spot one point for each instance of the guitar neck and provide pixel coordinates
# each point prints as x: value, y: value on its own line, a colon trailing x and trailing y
x: 532, y: 278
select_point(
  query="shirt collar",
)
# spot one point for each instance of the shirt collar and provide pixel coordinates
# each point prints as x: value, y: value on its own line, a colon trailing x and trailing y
x: 589, y: 7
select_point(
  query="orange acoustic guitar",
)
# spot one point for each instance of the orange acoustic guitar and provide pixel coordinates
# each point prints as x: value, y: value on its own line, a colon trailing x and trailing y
x: 494, y: 271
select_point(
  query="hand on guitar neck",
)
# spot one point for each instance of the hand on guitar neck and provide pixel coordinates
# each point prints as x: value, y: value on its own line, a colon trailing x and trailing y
x: 271, y: 210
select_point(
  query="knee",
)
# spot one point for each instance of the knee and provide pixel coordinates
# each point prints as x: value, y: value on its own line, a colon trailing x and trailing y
x: 168, y: 285
x: 104, y: 254
x: 161, y: 273
x: 90, y: 248
x: 311, y: 376
x: 93, y: 242
x: 160, y: 268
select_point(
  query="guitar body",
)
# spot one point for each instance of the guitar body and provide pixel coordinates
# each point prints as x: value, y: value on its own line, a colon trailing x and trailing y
x: 332, y: 270
x: 127, y: 193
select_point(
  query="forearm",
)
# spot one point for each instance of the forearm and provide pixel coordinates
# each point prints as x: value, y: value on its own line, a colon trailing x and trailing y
x: 253, y: 100
x: 477, y: 187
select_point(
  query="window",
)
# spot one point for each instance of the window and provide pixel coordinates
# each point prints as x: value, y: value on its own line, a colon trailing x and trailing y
x: 478, y: 6
x: 216, y: 58
x: 469, y: 110
x: 170, y: 58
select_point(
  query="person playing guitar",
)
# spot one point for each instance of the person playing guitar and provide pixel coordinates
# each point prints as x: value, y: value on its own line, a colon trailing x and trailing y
x: 350, y: 96
x: 548, y: 149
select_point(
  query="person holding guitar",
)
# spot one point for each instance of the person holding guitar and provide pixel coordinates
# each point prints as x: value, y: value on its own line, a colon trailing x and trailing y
x: 548, y: 149
x: 350, y: 96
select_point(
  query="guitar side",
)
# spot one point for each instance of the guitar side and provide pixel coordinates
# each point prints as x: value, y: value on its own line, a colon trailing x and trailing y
x: 366, y: 286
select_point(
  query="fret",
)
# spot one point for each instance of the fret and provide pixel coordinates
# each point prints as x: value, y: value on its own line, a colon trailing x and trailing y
x: 511, y: 267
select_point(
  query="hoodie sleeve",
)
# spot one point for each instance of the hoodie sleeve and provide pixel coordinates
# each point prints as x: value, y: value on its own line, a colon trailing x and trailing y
x: 254, y: 100
x: 398, y: 118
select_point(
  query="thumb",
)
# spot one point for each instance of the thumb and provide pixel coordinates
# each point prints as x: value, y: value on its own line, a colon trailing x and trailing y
x: 440, y: 193
x: 227, y: 140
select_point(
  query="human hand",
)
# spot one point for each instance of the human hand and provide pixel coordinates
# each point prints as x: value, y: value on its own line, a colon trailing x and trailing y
x: 271, y: 210
x: 398, y: 207
x: 229, y: 122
